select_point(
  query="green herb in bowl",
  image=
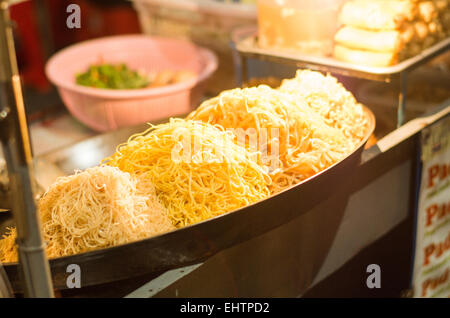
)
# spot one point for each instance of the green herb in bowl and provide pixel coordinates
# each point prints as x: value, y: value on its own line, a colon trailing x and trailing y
x: 112, y: 76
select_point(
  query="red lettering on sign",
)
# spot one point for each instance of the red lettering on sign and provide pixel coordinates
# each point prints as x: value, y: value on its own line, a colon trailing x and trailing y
x: 437, y: 172
x: 433, y: 172
x: 431, y: 212
x: 437, y: 212
x: 429, y: 250
x: 433, y: 283
x: 436, y: 249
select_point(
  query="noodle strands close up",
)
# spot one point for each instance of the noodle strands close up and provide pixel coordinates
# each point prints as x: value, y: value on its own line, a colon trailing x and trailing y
x: 97, y: 208
x: 197, y: 169
x: 304, y: 143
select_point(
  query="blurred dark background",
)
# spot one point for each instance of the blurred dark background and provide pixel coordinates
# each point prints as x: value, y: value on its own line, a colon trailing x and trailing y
x: 40, y: 30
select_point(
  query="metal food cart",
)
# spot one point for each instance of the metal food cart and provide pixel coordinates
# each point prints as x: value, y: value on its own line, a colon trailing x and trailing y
x: 314, y: 238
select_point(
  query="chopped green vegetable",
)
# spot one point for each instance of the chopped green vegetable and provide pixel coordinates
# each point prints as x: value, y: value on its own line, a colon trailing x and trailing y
x: 112, y: 76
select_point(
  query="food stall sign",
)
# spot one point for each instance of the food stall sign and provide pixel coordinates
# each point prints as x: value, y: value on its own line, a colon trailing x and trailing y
x: 431, y: 273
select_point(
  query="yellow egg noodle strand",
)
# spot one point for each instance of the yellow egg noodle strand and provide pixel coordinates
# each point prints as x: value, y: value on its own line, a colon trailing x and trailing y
x: 215, y: 177
x: 99, y: 207
x: 8, y: 250
x: 331, y: 100
x: 307, y: 144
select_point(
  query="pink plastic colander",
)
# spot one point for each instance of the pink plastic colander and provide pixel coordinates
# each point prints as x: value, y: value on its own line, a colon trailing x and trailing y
x: 107, y: 109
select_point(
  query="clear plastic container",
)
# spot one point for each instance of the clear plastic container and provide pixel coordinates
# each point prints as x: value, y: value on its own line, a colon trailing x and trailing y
x: 207, y: 23
x: 304, y: 26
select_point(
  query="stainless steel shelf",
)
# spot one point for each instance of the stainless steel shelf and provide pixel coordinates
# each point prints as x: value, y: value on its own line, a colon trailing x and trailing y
x: 247, y: 48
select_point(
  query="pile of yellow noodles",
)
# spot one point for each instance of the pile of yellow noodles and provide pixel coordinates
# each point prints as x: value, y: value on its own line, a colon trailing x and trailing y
x: 331, y: 100
x: 306, y: 144
x: 197, y: 169
x: 235, y: 149
x: 100, y: 207
x: 8, y: 248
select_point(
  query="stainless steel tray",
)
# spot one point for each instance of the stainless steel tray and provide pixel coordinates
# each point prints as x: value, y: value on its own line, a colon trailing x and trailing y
x: 195, y: 243
x: 248, y: 47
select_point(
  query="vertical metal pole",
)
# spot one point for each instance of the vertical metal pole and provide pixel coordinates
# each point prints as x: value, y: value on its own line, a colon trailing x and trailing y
x: 35, y: 272
x: 402, y: 99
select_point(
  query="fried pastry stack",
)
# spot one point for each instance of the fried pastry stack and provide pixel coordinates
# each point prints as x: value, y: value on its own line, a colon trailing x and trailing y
x: 384, y: 32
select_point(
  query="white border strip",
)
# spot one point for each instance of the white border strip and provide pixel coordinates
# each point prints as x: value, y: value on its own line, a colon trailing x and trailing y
x: 161, y: 282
